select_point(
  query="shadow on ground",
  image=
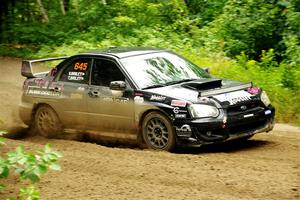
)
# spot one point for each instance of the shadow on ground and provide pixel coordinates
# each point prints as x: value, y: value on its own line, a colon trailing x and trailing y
x: 227, y: 147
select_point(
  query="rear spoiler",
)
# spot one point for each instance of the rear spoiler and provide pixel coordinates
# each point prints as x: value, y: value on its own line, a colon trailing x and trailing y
x: 26, y: 69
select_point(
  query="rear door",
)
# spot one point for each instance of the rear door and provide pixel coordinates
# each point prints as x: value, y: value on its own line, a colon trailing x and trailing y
x: 109, y: 111
x: 73, y: 83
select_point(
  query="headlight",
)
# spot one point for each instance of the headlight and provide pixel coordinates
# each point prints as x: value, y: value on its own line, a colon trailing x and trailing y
x: 264, y: 98
x: 200, y: 110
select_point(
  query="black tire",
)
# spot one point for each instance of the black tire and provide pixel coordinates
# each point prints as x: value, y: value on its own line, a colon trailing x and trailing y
x: 158, y: 132
x: 46, y: 122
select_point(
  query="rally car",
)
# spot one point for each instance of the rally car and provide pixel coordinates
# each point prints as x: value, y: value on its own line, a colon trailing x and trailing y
x: 151, y: 96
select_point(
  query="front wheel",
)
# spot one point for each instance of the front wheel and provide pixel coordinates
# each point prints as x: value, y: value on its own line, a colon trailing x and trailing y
x: 158, y: 132
x: 46, y: 122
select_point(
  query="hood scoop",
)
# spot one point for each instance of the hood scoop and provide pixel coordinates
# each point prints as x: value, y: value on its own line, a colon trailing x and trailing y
x: 203, y: 84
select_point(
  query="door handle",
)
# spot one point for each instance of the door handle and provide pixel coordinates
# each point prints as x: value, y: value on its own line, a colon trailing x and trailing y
x: 94, y: 93
x: 55, y: 89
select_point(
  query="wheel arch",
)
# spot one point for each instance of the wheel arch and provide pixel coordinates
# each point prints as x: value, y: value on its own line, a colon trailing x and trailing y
x: 48, y: 132
x: 37, y: 105
x: 142, y: 117
x: 145, y: 113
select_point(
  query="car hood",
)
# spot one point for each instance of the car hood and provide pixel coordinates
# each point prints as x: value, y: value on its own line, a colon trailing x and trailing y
x: 192, y: 90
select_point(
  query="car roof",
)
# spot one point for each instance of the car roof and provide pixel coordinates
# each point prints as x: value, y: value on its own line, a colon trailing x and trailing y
x: 122, y: 52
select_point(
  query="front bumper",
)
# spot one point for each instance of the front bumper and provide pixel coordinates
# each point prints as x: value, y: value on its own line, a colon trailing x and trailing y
x: 200, y: 132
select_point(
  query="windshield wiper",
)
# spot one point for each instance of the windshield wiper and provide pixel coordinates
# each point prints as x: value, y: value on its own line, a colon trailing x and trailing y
x: 154, y: 86
x: 180, y: 81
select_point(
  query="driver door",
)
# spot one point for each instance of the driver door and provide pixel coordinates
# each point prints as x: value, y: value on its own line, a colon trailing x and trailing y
x: 109, y: 111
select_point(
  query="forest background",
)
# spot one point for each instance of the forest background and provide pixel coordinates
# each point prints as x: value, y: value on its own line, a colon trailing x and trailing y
x: 247, y: 40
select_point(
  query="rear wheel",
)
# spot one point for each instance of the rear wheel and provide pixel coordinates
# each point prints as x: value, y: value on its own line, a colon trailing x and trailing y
x: 158, y: 132
x: 46, y: 122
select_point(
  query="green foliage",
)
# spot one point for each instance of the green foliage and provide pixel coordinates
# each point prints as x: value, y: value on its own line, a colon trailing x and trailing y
x: 249, y: 26
x: 205, y: 11
x: 28, y: 166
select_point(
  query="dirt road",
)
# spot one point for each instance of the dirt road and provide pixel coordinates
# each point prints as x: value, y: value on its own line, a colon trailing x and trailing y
x: 265, y: 167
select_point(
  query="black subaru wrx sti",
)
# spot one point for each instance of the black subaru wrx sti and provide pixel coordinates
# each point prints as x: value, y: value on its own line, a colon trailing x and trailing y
x: 148, y: 95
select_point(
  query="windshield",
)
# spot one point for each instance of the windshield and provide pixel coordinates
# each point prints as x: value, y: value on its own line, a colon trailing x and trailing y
x: 159, y: 69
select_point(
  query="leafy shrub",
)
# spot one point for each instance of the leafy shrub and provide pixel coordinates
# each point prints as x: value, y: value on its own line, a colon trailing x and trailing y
x: 28, y: 166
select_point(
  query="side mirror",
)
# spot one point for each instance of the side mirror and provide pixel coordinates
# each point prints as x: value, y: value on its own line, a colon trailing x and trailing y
x: 206, y: 69
x: 117, y: 88
x: 117, y: 85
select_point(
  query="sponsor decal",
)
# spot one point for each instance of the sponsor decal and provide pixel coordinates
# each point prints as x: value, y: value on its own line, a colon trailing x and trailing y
x: 239, y: 99
x: 32, y: 91
x: 111, y: 99
x: 157, y: 98
x: 184, y: 130
x: 138, y: 100
x: 180, y: 115
x: 121, y: 100
x: 115, y: 99
x: 234, y: 97
x: 176, y: 110
x: 138, y: 94
x: 76, y: 73
x: 178, y: 103
x: 46, y: 84
x: 76, y: 76
x: 38, y: 83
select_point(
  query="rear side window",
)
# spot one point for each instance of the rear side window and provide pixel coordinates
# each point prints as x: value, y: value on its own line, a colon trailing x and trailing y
x: 77, y: 71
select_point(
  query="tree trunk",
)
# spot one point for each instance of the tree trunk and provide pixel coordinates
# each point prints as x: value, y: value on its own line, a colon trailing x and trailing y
x: 62, y: 7
x: 43, y: 11
x: 66, y: 5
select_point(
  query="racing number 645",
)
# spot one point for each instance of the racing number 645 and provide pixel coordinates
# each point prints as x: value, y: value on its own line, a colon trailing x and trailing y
x: 80, y: 66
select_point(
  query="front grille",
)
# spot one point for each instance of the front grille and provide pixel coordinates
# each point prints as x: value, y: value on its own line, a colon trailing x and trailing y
x: 245, y: 107
x: 246, y: 127
x: 238, y: 123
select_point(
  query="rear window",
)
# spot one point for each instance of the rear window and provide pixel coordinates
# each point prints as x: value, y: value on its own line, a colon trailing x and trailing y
x: 77, y: 71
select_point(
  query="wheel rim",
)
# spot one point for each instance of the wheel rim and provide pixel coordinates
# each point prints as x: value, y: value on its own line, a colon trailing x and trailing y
x: 45, y: 121
x: 157, y: 133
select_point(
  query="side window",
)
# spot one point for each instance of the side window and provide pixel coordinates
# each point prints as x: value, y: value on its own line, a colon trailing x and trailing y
x: 77, y: 71
x: 105, y: 71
